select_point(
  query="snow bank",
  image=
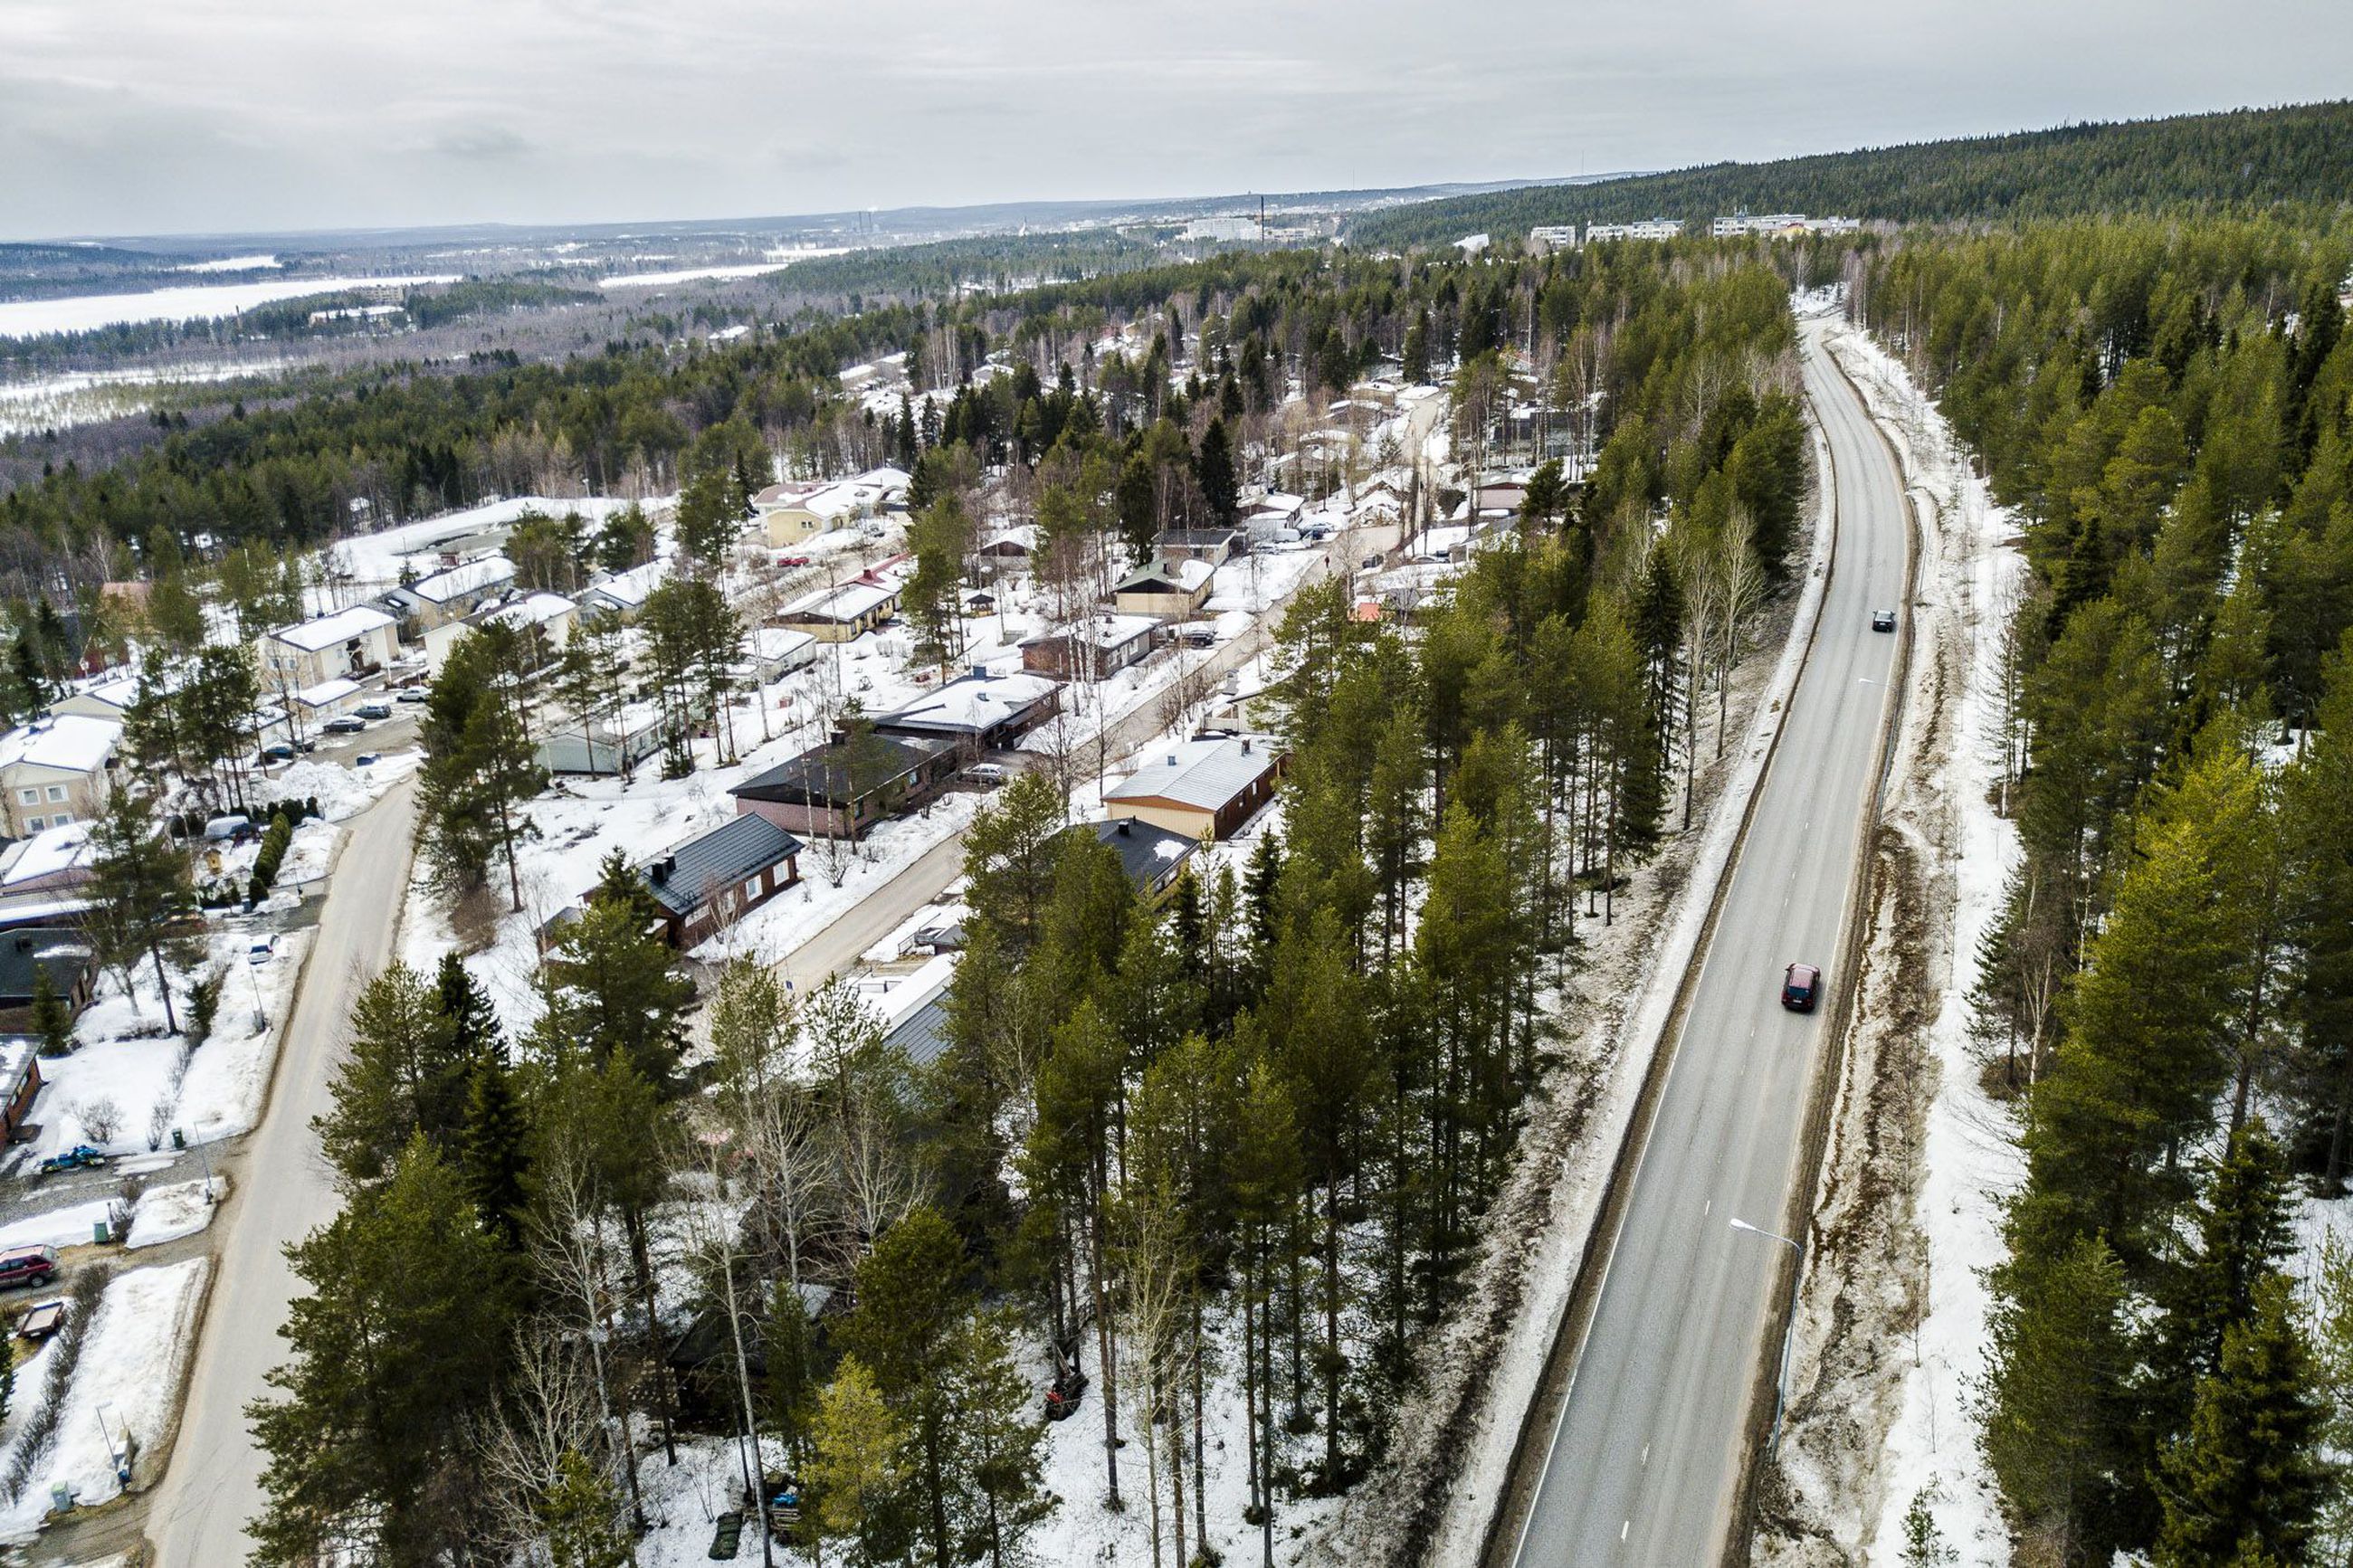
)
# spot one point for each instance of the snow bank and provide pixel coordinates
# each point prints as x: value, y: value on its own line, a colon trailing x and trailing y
x: 168, y: 1213
x: 67, y: 1226
x: 342, y: 792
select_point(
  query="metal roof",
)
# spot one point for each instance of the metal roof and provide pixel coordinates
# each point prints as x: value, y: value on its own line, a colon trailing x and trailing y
x: 1204, y: 774
x: 825, y: 775
x: 733, y: 852
x: 1146, y: 853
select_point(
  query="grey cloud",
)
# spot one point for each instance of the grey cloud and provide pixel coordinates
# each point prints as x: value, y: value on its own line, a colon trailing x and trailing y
x: 119, y: 116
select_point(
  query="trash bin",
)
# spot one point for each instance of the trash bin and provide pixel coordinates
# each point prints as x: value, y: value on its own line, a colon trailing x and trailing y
x: 101, y: 1232
x: 179, y: 1138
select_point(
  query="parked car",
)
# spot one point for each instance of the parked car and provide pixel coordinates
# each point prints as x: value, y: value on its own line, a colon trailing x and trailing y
x: 234, y: 825
x: 80, y: 1156
x: 1883, y: 620
x: 279, y: 752
x: 986, y: 773
x: 1372, y: 563
x: 412, y: 694
x: 374, y: 710
x: 790, y: 561
x: 41, y: 1319
x: 347, y: 724
x: 263, y: 950
x: 1801, y: 987
x: 29, y: 1266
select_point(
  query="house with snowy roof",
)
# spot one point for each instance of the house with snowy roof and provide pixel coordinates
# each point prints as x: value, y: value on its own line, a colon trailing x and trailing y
x: 1169, y: 590
x: 980, y: 713
x: 451, y: 594
x: 1153, y: 857
x: 348, y: 644
x: 57, y: 770
x: 839, y: 615
x: 1207, y: 788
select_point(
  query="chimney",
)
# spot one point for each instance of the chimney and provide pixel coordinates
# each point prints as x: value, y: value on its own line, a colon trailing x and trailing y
x: 1125, y: 827
x: 1246, y: 745
x: 1172, y: 759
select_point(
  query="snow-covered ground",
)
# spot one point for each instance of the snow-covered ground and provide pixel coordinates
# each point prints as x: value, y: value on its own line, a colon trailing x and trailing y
x: 148, y: 1081
x: 168, y: 1213
x: 195, y: 303
x: 374, y: 559
x: 124, y: 1386
x: 56, y: 402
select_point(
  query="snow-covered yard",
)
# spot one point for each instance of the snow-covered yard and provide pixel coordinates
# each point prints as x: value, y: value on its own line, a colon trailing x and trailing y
x: 130, y: 1084
x: 124, y: 1387
x: 168, y: 1213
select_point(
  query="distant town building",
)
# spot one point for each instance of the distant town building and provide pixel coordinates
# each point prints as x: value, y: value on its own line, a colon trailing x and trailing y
x: 1642, y: 229
x: 1472, y: 244
x: 1779, y: 225
x: 1547, y: 237
x: 1223, y: 228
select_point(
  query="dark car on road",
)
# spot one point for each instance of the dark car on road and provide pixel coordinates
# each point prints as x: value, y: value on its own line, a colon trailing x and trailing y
x: 1883, y: 620
x: 29, y: 1266
x: 346, y: 725
x: 1801, y: 987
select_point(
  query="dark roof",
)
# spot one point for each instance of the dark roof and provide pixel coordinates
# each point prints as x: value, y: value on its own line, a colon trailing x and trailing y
x: 1146, y: 853
x: 824, y: 775
x: 922, y: 1034
x: 63, y: 952
x: 728, y: 853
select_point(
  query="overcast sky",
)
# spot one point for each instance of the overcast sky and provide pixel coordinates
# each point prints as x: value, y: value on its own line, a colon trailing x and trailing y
x: 130, y: 117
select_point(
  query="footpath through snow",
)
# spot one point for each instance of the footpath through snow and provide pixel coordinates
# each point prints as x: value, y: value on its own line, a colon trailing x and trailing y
x: 1432, y: 1498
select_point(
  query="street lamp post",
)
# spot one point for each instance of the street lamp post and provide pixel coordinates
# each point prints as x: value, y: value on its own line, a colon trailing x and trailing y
x: 1788, y: 1325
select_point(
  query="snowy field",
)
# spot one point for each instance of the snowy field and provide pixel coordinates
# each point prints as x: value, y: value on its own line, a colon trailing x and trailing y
x: 180, y: 1209
x: 195, y: 303
x: 81, y: 397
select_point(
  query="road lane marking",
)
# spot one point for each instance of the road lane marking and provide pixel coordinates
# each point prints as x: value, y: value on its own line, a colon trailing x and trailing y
x: 1622, y: 1530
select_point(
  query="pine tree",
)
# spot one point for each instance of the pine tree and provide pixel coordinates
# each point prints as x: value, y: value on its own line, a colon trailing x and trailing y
x: 399, y: 1341
x: 912, y: 1296
x: 999, y: 1442
x: 2247, y: 1478
x: 143, y: 901
x: 614, y: 990
x: 1923, y: 1544
x: 402, y: 1078
x: 582, y: 1514
x: 481, y: 767
x: 859, y: 1471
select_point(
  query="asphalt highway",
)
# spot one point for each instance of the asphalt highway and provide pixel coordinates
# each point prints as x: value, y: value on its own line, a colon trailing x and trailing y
x: 1642, y: 1468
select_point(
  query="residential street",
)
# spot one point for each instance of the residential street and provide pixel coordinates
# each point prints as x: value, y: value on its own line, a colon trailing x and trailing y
x: 283, y: 1190
x: 1642, y: 1467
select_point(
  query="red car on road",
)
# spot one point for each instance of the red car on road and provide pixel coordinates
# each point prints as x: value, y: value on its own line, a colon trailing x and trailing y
x: 1801, y: 987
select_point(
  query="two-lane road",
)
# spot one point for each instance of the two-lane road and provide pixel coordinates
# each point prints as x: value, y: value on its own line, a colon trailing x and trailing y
x: 1642, y: 1466
x: 284, y: 1190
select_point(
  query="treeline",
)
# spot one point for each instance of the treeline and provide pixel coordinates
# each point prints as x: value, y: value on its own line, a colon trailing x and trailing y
x: 2243, y: 161
x: 2171, y: 409
x: 1217, y: 1163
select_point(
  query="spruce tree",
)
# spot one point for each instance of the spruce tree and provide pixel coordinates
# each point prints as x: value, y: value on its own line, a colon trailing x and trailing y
x: 493, y: 1148
x: 52, y: 1021
x: 2247, y: 1482
x: 2055, y: 1371
x: 582, y: 1516
x: 859, y: 1471
x: 143, y: 900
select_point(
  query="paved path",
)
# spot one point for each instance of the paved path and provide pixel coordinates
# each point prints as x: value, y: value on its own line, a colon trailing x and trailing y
x: 1642, y: 1466
x: 283, y: 1190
